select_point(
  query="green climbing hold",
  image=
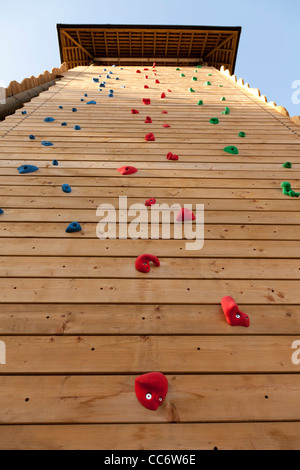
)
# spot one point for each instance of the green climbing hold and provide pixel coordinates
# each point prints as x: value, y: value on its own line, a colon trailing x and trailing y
x: 223, y: 98
x: 287, y: 165
x: 178, y: 68
x: 209, y: 74
x: 287, y: 189
x: 191, y: 90
x: 226, y: 111
x: 231, y: 149
x: 199, y: 67
x: 207, y: 84
x: 182, y: 75
x: 200, y: 103
x: 293, y: 194
x: 214, y: 121
x: 194, y: 79
x: 242, y: 134
x: 221, y: 86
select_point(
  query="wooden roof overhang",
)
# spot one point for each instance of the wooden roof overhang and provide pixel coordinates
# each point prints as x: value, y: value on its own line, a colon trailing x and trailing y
x: 142, y: 44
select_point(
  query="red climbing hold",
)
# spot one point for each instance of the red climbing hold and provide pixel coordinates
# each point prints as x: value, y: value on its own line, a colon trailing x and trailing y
x: 135, y: 111
x: 145, y: 70
x: 148, y: 120
x: 165, y: 112
x: 232, y: 313
x: 157, y: 81
x: 138, y: 71
x: 146, y: 101
x: 170, y: 156
x: 185, y: 214
x: 151, y: 389
x: 146, y: 86
x: 166, y: 125
x: 163, y: 95
x: 127, y: 170
x: 150, y: 202
x: 170, y: 91
x: 146, y: 76
x: 142, y: 263
x: 154, y: 65
x: 150, y: 137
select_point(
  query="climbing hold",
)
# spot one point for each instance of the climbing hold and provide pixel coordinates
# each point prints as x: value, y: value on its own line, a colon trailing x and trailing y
x: 293, y: 194
x: 110, y: 95
x: 242, y: 134
x: 104, y: 70
x: 157, y: 81
x: 163, y: 95
x: 127, y: 170
x: 135, y: 111
x: 177, y: 69
x: 150, y: 137
x: 60, y: 107
x: 110, y: 73
x: 207, y: 84
x: 123, y: 86
x: 209, y: 74
x: 1, y: 212
x: 117, y: 78
x: 91, y: 102
x: 191, y: 90
x: 138, y: 71
x: 24, y: 112
x: 182, y: 75
x: 287, y: 165
x: 55, y: 163
x: 146, y: 86
x: 142, y: 263
x: 200, y: 103
x: 82, y: 99
x: 164, y: 112
x: 194, y: 79
x: 64, y: 124
x: 74, y: 110
x: 145, y: 70
x: 185, y: 214
x: 221, y: 86
x: 102, y: 85
x: 226, y: 111
x: 86, y: 95
x: 148, y: 120
x: 286, y: 188
x: 96, y: 80
x: 223, y: 98
x: 170, y: 156
x: 151, y: 389
x: 169, y: 91
x: 150, y: 202
x: 199, y: 66
x: 27, y: 169
x: 146, y: 101
x: 77, y: 128
x: 49, y: 119
x: 111, y: 91
x: 214, y: 121
x: 166, y: 125
x: 66, y: 188
x: 107, y: 76
x: 232, y: 313
x: 32, y: 137
x: 231, y: 149
x: 146, y: 77
x: 73, y: 227
x: 46, y: 143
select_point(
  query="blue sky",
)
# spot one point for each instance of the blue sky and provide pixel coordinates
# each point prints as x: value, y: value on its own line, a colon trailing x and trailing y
x: 268, y: 56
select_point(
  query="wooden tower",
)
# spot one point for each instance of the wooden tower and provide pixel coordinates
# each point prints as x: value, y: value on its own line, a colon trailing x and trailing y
x: 78, y: 322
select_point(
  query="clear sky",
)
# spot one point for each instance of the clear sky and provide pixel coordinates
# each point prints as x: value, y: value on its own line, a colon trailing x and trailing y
x: 268, y: 56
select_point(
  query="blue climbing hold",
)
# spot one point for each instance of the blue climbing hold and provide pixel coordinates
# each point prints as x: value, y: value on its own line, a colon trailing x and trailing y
x: 117, y: 78
x: 64, y: 124
x: 46, y: 143
x: 111, y: 91
x: 61, y: 107
x: 104, y: 82
x: 77, y: 128
x: 96, y: 80
x: 110, y: 73
x: 32, y: 137
x: 92, y: 102
x: 110, y: 95
x: 82, y: 99
x: 66, y: 188
x: 74, y: 110
x: 123, y: 86
x: 1, y: 212
x: 55, y: 163
x: 102, y: 85
x: 73, y: 227
x: 27, y: 169
x: 24, y: 112
x: 49, y: 119
x: 107, y: 76
x: 104, y: 70
x: 86, y: 95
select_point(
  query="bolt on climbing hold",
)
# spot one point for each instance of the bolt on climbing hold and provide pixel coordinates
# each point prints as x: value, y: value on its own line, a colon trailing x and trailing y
x: 46, y: 143
x: 226, y: 111
x: 150, y: 202
x: 135, y: 111
x: 146, y: 101
x: 142, y: 263
x: 32, y: 137
x: 191, y: 90
x: 163, y: 95
x: 200, y: 103
x: 24, y: 112
x: 24, y: 169
x: 185, y: 214
x: 287, y: 165
x: 287, y: 189
x: 171, y: 156
x: 148, y: 120
x: 223, y: 98
x: 182, y: 75
x: 214, y: 121
x: 127, y: 170
x: 151, y: 389
x: 242, y: 134
x: 157, y: 81
x: 96, y: 80
x: 64, y: 124
x: 102, y: 85
x: 146, y: 87
x: 233, y: 315
x: 110, y: 95
x: 49, y: 119
x: 82, y: 99
x: 74, y: 110
x: 220, y: 86
x: 231, y: 149
x: 60, y: 107
x: 149, y: 137
x: 77, y: 128
x: 164, y: 112
x: 1, y: 212
x: 209, y: 74
x: 166, y: 126
x: 207, y: 84
x: 66, y: 188
x: 194, y: 79
x: 91, y: 102
x: 73, y: 227
x: 86, y: 95
x: 177, y: 69
x: 55, y: 163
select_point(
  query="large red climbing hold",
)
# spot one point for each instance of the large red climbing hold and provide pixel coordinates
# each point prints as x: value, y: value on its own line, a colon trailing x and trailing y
x: 150, y: 202
x: 127, y: 170
x: 146, y: 101
x: 148, y: 120
x: 233, y: 314
x: 135, y: 111
x: 170, y: 156
x: 142, y: 263
x: 150, y: 137
x: 163, y: 95
x: 151, y: 389
x: 185, y: 214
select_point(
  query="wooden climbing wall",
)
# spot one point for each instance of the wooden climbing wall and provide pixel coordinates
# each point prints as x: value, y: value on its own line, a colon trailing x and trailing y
x: 79, y: 323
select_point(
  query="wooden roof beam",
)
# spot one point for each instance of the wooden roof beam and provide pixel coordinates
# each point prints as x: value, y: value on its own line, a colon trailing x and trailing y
x: 148, y: 59
x: 77, y: 43
x: 219, y: 46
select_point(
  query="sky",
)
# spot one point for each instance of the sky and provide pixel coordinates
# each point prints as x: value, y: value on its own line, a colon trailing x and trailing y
x: 268, y: 56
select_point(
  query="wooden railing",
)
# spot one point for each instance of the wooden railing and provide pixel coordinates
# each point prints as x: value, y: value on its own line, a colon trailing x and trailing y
x: 15, y: 87
x: 256, y: 92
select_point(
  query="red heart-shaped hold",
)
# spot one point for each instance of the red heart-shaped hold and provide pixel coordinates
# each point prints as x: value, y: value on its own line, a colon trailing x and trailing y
x: 151, y: 389
x: 146, y: 101
x: 135, y: 111
x: 142, y: 263
x: 185, y: 214
x: 232, y: 313
x: 127, y: 170
x: 150, y: 137
x: 163, y: 95
x: 166, y: 125
x: 148, y: 120
x: 170, y: 156
x: 150, y: 202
